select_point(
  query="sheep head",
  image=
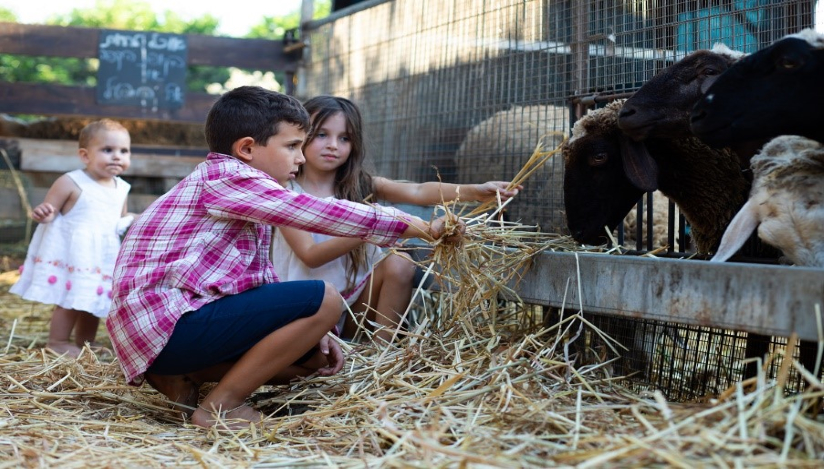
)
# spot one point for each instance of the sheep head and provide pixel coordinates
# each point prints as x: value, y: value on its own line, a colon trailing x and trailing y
x: 785, y: 204
x: 778, y: 90
x: 605, y: 173
x: 661, y: 107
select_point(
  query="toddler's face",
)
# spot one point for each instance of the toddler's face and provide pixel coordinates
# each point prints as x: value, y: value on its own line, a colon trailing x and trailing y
x: 108, y: 154
x: 331, y: 146
x: 281, y: 156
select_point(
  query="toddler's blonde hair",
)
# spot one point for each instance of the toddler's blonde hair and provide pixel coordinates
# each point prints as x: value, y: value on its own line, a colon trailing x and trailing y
x: 93, y: 128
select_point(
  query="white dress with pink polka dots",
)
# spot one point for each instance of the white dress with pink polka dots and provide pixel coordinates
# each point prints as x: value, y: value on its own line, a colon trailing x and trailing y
x: 70, y: 260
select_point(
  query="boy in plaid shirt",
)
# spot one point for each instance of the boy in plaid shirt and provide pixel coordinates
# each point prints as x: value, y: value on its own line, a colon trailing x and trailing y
x: 195, y: 296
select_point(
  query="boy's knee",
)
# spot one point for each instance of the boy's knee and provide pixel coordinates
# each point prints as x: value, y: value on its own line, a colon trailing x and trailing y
x: 332, y: 304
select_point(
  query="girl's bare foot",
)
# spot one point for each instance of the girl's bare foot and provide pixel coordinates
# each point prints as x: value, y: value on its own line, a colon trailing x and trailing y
x: 180, y: 389
x: 61, y: 348
x: 235, y: 418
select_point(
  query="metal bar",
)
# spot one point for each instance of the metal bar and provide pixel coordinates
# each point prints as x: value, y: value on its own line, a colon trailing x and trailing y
x: 580, y: 53
x: 348, y: 11
x: 771, y: 300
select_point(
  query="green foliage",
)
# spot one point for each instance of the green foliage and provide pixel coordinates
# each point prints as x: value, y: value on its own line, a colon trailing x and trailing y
x: 7, y: 15
x: 135, y: 16
x: 274, y: 27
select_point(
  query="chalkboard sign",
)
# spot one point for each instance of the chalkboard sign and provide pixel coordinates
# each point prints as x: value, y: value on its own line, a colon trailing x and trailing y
x: 144, y: 69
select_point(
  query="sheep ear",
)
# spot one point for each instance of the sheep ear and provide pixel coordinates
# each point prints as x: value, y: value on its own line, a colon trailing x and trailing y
x: 737, y: 233
x: 639, y: 166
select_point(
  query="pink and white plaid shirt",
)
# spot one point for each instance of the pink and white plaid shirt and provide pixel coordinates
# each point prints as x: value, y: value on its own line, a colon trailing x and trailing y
x: 209, y: 237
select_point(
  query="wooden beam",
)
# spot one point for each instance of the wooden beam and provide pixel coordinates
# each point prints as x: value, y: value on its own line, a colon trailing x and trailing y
x: 60, y: 156
x: 215, y: 51
x: 48, y: 99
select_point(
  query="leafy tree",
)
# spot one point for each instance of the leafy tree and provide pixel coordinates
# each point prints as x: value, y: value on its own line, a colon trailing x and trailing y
x: 271, y: 27
x: 7, y: 15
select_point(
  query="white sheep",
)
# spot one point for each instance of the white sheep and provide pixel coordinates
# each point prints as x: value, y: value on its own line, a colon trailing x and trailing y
x: 786, y: 202
x: 660, y: 223
x: 500, y: 145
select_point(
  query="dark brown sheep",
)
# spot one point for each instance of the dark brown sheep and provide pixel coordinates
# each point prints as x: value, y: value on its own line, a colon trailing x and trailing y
x: 606, y: 172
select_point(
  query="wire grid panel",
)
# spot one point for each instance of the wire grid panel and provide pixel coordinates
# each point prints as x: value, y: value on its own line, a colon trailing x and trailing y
x: 688, y: 363
x: 463, y: 90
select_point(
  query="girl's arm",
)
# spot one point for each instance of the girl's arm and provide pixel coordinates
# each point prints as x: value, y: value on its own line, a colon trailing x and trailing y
x: 431, y: 193
x: 126, y: 219
x: 59, y: 193
x: 127, y: 213
x: 317, y: 254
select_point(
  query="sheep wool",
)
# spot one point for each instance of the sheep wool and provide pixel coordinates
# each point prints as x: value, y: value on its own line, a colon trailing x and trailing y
x: 722, y: 49
x: 786, y: 203
x: 812, y: 36
x: 499, y: 146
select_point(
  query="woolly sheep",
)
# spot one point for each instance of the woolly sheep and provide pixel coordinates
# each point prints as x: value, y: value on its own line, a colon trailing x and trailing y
x: 500, y: 145
x: 778, y: 90
x: 660, y: 223
x: 606, y: 172
x: 786, y: 203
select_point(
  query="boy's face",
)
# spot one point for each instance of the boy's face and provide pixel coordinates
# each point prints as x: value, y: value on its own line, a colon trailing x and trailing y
x: 282, y: 155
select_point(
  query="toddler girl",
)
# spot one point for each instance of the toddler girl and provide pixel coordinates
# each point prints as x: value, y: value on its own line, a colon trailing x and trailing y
x: 71, y: 255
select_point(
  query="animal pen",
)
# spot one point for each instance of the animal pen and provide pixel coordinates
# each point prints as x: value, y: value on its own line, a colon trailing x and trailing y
x: 465, y: 91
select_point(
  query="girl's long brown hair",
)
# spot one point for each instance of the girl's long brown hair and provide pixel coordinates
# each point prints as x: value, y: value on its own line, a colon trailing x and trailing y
x: 352, y: 182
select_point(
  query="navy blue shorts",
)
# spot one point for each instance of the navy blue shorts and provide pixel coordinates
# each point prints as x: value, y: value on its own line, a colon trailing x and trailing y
x: 225, y: 329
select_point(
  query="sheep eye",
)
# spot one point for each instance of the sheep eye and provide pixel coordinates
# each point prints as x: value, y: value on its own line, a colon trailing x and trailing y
x: 598, y: 159
x: 788, y: 63
x: 710, y: 71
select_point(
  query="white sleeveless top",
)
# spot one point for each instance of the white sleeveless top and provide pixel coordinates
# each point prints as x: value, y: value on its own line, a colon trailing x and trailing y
x: 70, y: 260
x: 289, y: 267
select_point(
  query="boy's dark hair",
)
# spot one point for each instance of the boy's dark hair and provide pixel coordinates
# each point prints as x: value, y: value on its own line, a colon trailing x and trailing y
x: 251, y: 111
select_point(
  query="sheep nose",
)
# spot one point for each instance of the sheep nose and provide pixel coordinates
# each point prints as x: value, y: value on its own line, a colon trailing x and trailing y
x: 626, y: 111
x: 697, y: 115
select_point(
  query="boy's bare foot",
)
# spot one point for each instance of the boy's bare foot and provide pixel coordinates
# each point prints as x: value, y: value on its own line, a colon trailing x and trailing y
x: 236, y: 418
x: 178, y: 388
x: 61, y: 348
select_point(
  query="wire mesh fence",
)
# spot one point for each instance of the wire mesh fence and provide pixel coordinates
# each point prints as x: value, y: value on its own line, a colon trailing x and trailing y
x: 463, y: 90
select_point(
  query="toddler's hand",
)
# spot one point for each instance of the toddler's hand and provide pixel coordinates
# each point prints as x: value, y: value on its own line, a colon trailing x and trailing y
x: 334, y: 356
x: 487, y: 190
x: 438, y: 227
x: 43, y: 213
